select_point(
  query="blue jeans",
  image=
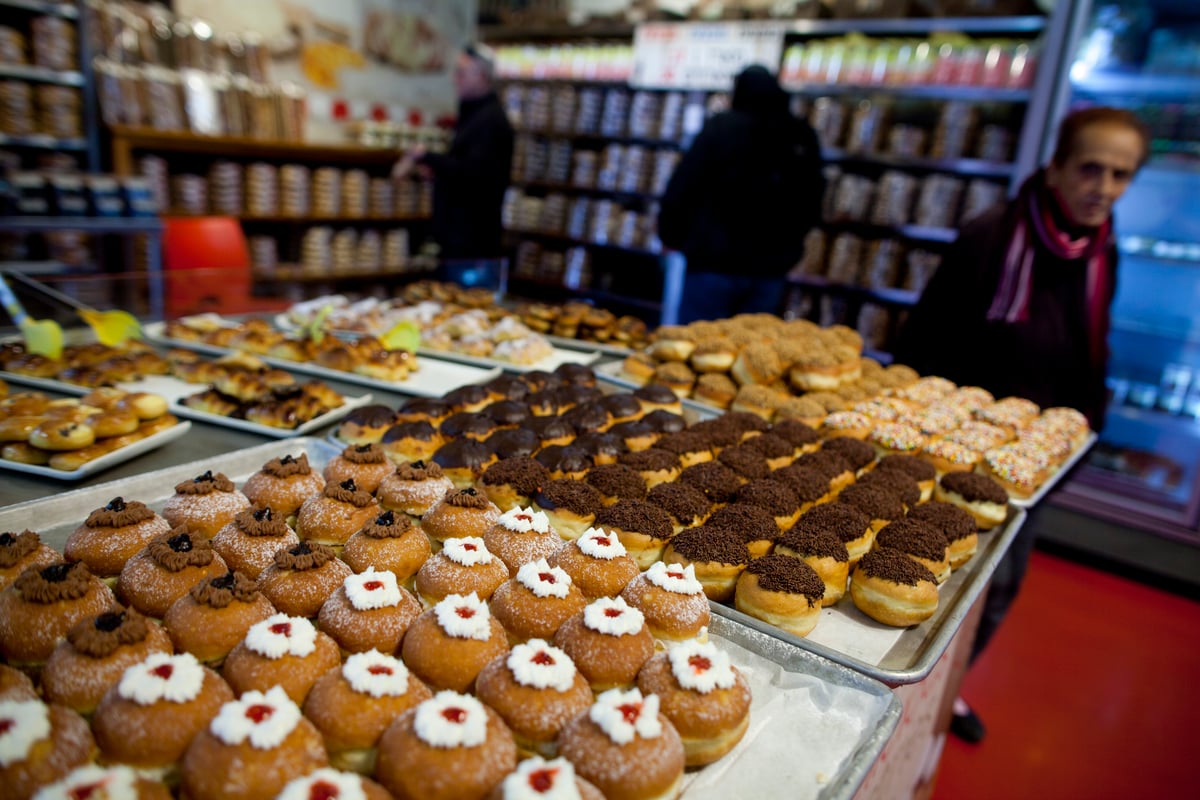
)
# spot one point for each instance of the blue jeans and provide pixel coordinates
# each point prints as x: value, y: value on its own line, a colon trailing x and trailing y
x: 714, y: 295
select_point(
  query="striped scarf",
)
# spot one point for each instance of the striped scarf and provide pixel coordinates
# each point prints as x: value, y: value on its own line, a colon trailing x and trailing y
x: 1034, y: 218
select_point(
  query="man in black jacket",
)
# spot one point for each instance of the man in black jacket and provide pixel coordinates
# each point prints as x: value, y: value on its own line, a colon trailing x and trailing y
x: 741, y: 200
x: 1020, y: 306
x: 471, y: 177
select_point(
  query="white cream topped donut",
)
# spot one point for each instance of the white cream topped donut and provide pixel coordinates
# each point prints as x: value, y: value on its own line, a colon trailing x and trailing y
x: 600, y: 544
x: 370, y: 590
x: 450, y: 719
x: 23, y: 723
x: 701, y: 667
x: 538, y: 779
x: 325, y: 783
x: 376, y: 674
x: 174, y: 678
x: 544, y: 580
x: 524, y: 520
x: 539, y: 664
x: 469, y: 551
x: 464, y: 617
x: 117, y: 782
x: 625, y: 716
x: 675, y: 578
x: 280, y: 635
x: 613, y: 616
x: 263, y: 720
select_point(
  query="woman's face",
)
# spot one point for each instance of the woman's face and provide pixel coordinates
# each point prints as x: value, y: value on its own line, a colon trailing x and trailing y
x: 1097, y: 172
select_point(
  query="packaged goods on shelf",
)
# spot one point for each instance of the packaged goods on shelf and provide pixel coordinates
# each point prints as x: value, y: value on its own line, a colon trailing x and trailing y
x: 585, y: 61
x: 53, y: 43
x: 12, y: 46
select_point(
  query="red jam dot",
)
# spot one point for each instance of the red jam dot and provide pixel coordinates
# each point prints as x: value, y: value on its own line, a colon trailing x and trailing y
x: 613, y: 612
x: 380, y: 669
x: 282, y: 628
x: 464, y: 612
x: 544, y: 658
x: 547, y: 577
x: 6, y: 725
x: 524, y: 517
x: 630, y: 711
x: 470, y: 548
x: 84, y: 792
x: 542, y: 780
x: 373, y: 586
x: 456, y: 715
x: 163, y: 671
x: 259, y: 714
x: 699, y: 664
x: 603, y: 541
x: 322, y: 790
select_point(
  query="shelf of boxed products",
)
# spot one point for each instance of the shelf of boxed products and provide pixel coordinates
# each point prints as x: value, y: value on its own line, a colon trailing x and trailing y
x: 563, y: 238
x: 975, y: 167
x: 41, y: 141
x: 306, y: 219
x: 1031, y: 23
x: 977, y: 94
x: 299, y: 273
x: 592, y: 191
x: 25, y: 72
x: 903, y: 298
x: 98, y: 225
x: 64, y: 10
x: 916, y: 233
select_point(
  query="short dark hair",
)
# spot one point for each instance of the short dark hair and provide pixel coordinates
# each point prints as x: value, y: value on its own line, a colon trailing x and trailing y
x: 1076, y: 121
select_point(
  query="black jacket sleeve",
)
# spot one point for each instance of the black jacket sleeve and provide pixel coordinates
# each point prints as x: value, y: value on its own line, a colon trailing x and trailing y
x: 685, y: 192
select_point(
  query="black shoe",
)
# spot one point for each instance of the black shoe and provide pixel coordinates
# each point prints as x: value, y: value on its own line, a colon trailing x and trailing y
x: 968, y: 727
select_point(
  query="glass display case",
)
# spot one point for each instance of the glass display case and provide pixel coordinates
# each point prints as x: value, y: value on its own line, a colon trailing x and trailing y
x: 1145, y: 470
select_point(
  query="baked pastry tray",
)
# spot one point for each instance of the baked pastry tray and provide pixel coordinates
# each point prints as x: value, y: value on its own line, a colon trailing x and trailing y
x: 174, y: 390
x: 120, y: 456
x: 434, y: 376
x: 611, y: 372
x: 1063, y: 469
x: 816, y: 726
x: 897, y: 656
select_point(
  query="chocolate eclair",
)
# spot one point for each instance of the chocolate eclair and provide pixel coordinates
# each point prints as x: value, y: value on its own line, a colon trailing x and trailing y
x: 602, y: 447
x: 664, y: 421
x: 513, y: 442
x: 564, y: 461
x: 411, y: 440
x: 507, y: 413
x: 463, y: 460
x: 471, y: 424
x: 366, y: 424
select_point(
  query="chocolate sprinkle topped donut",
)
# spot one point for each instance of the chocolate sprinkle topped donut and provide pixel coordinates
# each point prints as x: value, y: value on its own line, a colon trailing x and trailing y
x: 808, y: 484
x: 894, y: 481
x: 859, y: 453
x: 715, y: 481
x: 893, y: 565
x: 523, y: 474
x: 952, y: 521
x: 827, y: 462
x: 706, y: 543
x: 745, y: 461
x: 743, y: 421
x: 636, y: 516
x: 775, y: 497
x: 916, y: 468
x: 650, y: 460
x: 751, y: 523
x: 796, y: 432
x: 780, y: 573
x: 844, y: 521
x: 813, y: 542
x: 617, y: 480
x: 974, y: 487
x: 574, y: 496
x: 684, y: 442
x: 913, y: 536
x: 683, y: 502
x: 769, y: 446
x: 876, y: 502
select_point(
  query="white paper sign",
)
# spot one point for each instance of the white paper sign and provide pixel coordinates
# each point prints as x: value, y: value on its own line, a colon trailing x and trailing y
x: 702, y: 55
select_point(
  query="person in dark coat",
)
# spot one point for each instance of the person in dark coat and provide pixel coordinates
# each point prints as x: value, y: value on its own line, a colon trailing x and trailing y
x: 1020, y: 305
x: 741, y: 200
x: 469, y: 180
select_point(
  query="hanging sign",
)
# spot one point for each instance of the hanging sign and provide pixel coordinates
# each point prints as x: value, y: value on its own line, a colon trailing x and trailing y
x: 702, y: 55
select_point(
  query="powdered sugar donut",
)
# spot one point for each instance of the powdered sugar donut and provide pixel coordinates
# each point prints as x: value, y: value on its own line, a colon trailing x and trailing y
x: 287, y: 652
x: 40, y: 745
x: 449, y: 644
x: 608, y: 641
x: 369, y: 611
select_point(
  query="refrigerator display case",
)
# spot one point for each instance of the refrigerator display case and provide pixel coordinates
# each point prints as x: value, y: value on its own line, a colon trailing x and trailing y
x: 1144, y: 472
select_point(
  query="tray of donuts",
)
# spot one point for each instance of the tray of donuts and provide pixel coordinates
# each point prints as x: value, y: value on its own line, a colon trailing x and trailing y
x: 142, y: 627
x: 71, y: 438
x: 364, y: 362
x: 234, y: 391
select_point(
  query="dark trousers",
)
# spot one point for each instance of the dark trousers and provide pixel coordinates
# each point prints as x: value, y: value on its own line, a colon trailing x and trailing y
x: 714, y: 295
x: 1006, y: 584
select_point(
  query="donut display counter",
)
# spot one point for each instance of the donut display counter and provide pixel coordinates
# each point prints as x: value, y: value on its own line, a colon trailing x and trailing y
x: 816, y: 727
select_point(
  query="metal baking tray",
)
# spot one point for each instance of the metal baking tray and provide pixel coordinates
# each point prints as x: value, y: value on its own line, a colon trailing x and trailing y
x: 434, y: 376
x: 816, y: 726
x: 603, y: 348
x: 849, y: 637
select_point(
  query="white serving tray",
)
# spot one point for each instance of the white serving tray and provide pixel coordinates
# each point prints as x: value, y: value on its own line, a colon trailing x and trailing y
x: 434, y: 376
x: 105, y: 461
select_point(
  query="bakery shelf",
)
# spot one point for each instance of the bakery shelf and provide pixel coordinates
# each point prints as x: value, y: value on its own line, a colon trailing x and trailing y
x: 127, y: 139
x: 602, y: 138
x: 599, y: 295
x: 65, y: 10
x: 519, y: 32
x: 980, y: 94
x: 916, y: 25
x: 26, y: 72
x: 916, y: 233
x: 563, y: 80
x: 961, y: 166
x: 340, y: 219
x: 42, y: 141
x: 84, y: 224
x: 559, y: 186
x: 888, y: 296
x: 559, y: 237
x: 297, y: 273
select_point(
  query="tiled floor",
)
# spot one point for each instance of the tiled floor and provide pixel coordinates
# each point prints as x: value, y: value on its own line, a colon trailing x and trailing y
x: 1089, y: 691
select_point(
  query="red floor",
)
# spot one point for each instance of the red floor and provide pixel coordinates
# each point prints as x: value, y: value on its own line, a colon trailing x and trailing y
x: 1088, y: 691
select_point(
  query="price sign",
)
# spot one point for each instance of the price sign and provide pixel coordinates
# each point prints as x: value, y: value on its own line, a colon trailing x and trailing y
x: 702, y: 55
